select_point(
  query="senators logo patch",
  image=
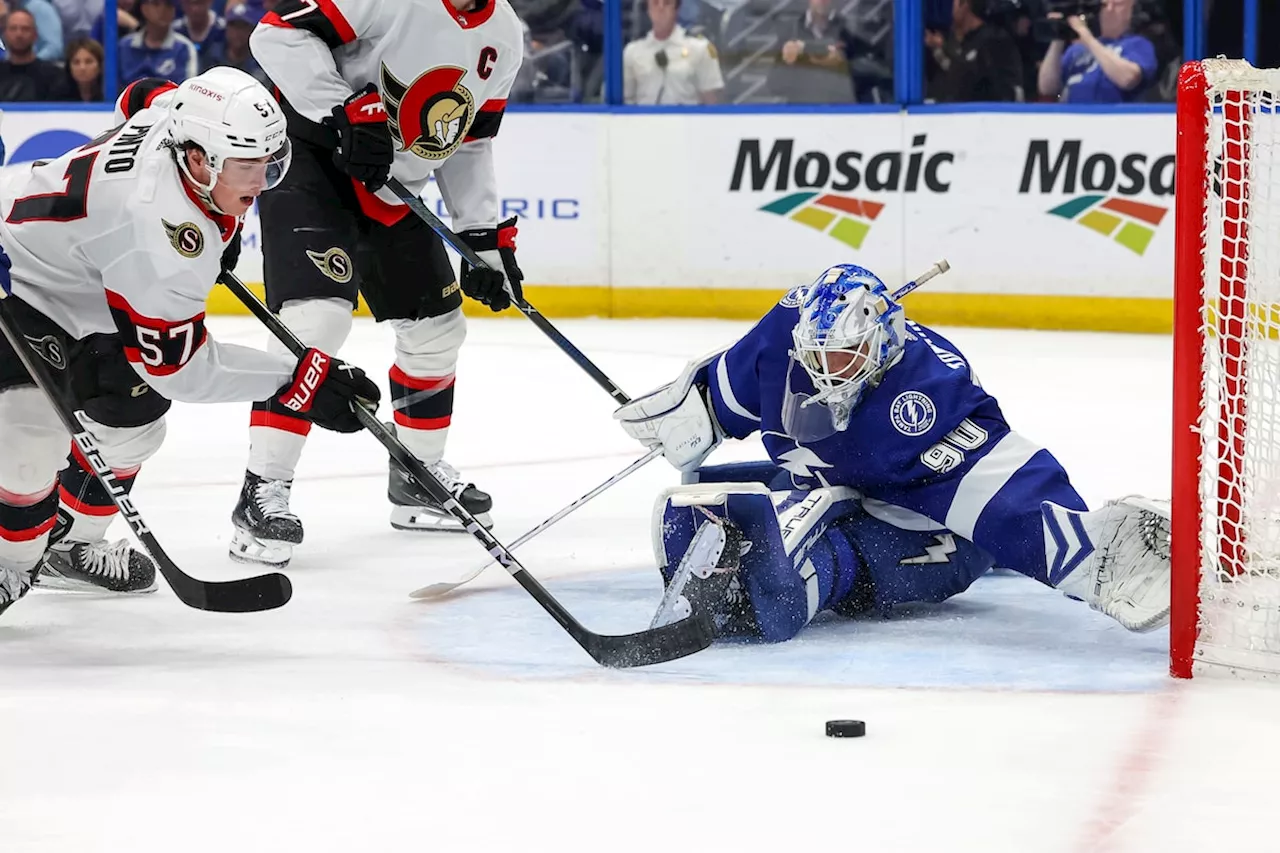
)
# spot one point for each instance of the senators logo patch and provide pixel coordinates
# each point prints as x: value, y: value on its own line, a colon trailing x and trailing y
x: 187, y: 239
x: 431, y: 115
x: 334, y: 263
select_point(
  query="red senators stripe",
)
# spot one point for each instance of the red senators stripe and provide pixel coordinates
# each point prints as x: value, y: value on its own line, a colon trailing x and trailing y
x: 28, y: 534
x: 420, y: 383
x: 326, y: 8
x: 494, y: 105
x: 422, y: 423
x: 74, y: 503
x: 377, y: 209
x: 271, y: 420
x: 120, y: 473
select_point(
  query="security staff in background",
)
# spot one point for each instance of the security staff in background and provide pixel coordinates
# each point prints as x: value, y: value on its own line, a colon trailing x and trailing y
x: 669, y: 66
x: 977, y: 61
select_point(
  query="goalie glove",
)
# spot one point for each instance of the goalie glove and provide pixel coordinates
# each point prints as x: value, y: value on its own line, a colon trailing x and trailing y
x: 678, y: 417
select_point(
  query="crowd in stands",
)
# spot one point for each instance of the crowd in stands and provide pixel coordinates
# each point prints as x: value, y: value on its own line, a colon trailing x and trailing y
x: 676, y: 51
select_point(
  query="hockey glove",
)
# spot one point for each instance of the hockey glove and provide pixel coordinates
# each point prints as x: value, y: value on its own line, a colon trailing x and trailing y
x: 231, y: 254
x: 324, y: 389
x: 365, y: 148
x: 678, y: 417
x: 6, y: 283
x: 500, y: 284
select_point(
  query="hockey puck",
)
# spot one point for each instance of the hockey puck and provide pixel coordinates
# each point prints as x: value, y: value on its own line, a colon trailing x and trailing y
x: 846, y: 728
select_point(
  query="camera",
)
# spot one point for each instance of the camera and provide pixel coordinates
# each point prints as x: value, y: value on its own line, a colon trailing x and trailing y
x: 1049, y: 29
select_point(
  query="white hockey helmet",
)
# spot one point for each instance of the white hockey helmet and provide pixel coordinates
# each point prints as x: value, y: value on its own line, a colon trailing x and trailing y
x: 231, y: 116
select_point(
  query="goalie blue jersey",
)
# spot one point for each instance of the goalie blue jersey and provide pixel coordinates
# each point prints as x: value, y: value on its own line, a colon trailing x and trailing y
x: 927, y: 439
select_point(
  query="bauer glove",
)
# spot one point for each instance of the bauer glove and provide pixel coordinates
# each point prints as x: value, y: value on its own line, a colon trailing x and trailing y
x: 365, y: 148
x: 500, y: 284
x: 324, y: 391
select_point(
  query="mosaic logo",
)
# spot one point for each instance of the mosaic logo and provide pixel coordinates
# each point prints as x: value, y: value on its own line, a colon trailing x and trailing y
x: 1110, y: 179
x: 1132, y: 224
x: 840, y: 217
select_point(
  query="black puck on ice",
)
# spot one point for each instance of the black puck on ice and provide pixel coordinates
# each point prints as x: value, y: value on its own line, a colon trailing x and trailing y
x: 846, y: 728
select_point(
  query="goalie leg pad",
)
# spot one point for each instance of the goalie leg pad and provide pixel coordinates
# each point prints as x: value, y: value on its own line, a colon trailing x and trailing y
x: 808, y: 551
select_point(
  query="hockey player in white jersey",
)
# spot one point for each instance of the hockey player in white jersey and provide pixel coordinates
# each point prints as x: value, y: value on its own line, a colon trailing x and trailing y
x: 375, y: 88
x: 109, y: 253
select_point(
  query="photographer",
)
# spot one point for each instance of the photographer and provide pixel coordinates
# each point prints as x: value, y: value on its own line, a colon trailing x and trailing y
x: 977, y: 62
x: 668, y: 66
x: 1111, y: 69
x: 815, y: 59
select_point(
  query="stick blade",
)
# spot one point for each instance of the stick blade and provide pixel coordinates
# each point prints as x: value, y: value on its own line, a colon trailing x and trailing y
x: 435, y: 590
x: 246, y: 595
x: 656, y: 645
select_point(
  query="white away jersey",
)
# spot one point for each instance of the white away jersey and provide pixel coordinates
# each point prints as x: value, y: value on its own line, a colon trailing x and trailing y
x: 443, y: 75
x: 109, y: 239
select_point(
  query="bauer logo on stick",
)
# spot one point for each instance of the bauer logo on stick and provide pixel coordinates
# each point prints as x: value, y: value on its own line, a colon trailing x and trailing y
x: 334, y: 263
x: 186, y: 239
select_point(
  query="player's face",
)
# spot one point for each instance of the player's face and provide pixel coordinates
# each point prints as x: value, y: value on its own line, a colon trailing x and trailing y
x: 241, y: 182
x: 843, y: 363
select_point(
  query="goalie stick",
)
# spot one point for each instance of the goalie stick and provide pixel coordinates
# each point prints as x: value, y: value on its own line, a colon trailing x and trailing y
x: 436, y: 590
x: 639, y: 649
x: 419, y: 207
x: 264, y: 592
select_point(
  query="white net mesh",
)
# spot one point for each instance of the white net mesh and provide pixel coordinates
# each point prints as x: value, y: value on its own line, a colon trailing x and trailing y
x: 1239, y: 624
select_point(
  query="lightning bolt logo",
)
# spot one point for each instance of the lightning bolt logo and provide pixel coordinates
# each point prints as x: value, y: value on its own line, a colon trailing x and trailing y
x: 939, y: 552
x: 801, y: 461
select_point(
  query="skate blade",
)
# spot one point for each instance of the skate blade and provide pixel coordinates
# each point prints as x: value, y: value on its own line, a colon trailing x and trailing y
x: 416, y: 519
x: 58, y: 583
x: 247, y: 548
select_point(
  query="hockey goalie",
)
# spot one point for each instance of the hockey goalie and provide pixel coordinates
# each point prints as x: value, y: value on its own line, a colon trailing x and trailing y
x: 893, y: 478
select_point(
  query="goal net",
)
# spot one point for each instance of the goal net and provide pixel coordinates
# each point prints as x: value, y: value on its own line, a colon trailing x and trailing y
x: 1226, y: 478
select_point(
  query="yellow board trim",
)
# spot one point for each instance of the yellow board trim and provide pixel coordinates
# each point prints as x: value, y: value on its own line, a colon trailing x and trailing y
x: 1078, y: 313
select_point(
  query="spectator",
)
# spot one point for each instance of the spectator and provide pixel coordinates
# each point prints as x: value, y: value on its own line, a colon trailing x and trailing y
x: 83, y: 79
x: 204, y: 29
x: 156, y: 50
x: 668, y: 66
x: 241, y: 19
x: 23, y: 75
x: 976, y: 62
x: 815, y: 59
x: 126, y: 21
x: 78, y: 16
x: 1113, y: 69
x: 48, y: 26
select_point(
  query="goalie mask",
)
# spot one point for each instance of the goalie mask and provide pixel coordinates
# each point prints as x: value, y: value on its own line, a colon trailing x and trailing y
x: 850, y: 332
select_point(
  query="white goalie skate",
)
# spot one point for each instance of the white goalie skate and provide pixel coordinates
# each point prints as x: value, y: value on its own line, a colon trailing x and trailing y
x: 1123, y: 548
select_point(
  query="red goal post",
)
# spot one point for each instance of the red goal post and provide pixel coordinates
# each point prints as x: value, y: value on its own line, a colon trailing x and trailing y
x: 1226, y: 400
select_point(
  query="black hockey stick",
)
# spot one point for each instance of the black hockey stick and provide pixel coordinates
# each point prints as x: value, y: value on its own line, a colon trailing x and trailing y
x: 264, y: 592
x: 468, y: 254
x: 669, y: 642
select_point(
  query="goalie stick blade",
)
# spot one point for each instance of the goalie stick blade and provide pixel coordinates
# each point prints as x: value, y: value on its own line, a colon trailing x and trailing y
x: 246, y: 595
x: 645, y: 648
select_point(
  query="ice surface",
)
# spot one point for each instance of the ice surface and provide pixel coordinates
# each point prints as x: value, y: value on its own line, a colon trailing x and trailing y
x: 355, y: 719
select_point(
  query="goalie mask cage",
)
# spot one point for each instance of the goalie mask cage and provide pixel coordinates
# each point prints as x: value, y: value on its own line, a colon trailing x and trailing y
x: 1226, y: 399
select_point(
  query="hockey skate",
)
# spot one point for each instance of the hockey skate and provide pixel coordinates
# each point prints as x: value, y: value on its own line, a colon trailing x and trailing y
x: 414, y: 509
x: 13, y: 585
x: 265, y: 529
x: 1122, y: 559
x: 707, y: 581
x: 96, y: 567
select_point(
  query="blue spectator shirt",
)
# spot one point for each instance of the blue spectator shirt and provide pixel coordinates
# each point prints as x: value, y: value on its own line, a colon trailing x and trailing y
x: 174, y: 60
x: 49, y: 41
x: 209, y: 51
x: 1085, y: 81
